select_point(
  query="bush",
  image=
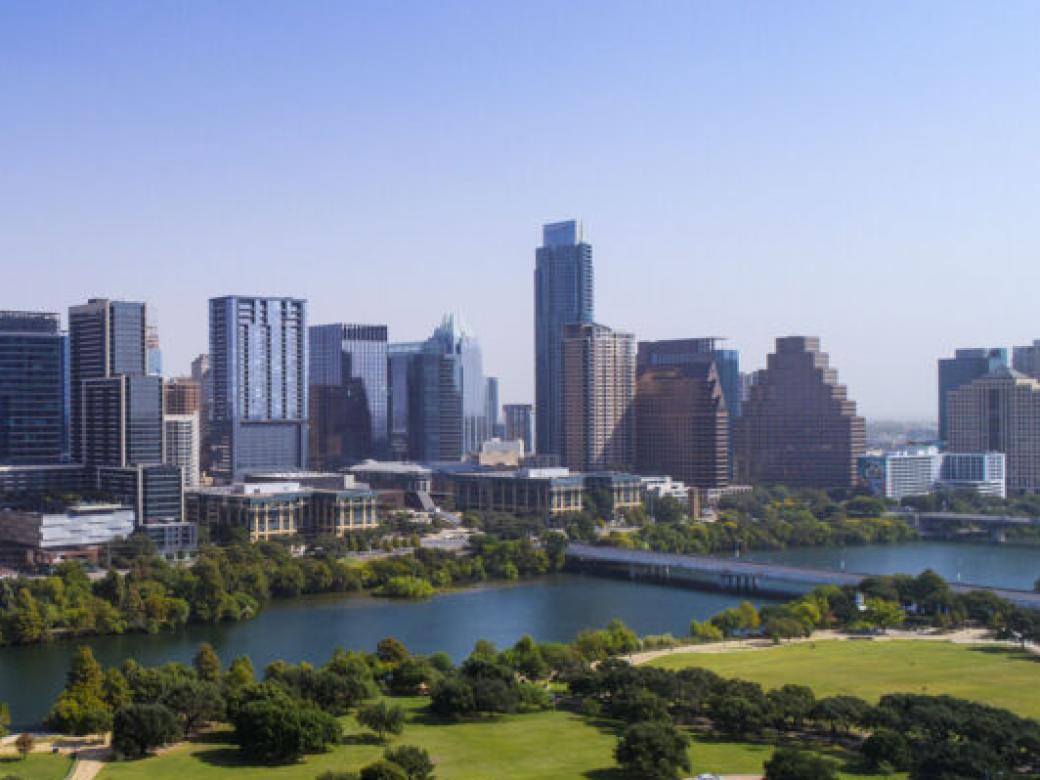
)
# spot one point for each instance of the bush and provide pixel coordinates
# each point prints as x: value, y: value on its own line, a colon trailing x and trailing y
x: 382, y: 718
x: 653, y: 751
x: 139, y: 728
x: 275, y: 728
x: 406, y: 588
x: 383, y: 770
x: 790, y: 764
x: 415, y: 761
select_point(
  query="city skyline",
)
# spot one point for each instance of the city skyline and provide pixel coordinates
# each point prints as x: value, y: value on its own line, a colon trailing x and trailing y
x: 763, y: 171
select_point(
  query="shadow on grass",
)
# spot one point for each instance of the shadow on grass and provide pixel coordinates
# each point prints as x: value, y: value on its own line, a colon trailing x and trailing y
x: 1010, y: 652
x: 232, y: 758
x: 362, y: 738
x: 611, y: 773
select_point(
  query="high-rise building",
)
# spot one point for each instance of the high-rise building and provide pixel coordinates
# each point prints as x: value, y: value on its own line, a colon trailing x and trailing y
x: 1027, y: 359
x: 400, y: 360
x: 183, y: 396
x: 258, y: 367
x: 673, y: 352
x: 900, y: 473
x: 122, y: 420
x: 153, y: 351
x: 106, y: 339
x: 154, y: 490
x: 599, y: 377
x: 682, y: 428
x: 340, y: 425
x: 999, y: 412
x: 200, y: 374
x: 491, y: 407
x: 33, y: 389
x: 354, y: 359
x: 799, y: 427
x: 457, y: 342
x: 181, y: 445
x: 965, y: 366
x: 563, y: 294
x: 519, y: 419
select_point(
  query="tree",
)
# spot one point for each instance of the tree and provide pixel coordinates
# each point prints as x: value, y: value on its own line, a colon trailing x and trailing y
x: 653, y: 751
x: 195, y: 702
x: 333, y: 774
x: 791, y: 705
x: 638, y: 704
x: 453, y: 698
x: 841, y: 713
x: 382, y: 718
x: 791, y: 764
x: 886, y: 750
x: 781, y: 628
x: 5, y: 718
x: 26, y: 623
x: 240, y: 673
x: 391, y: 650
x: 115, y: 690
x: 275, y: 728
x: 383, y: 770
x: 140, y: 728
x: 24, y: 744
x: 81, y: 708
x: 415, y: 761
x: 207, y: 663
x: 884, y: 614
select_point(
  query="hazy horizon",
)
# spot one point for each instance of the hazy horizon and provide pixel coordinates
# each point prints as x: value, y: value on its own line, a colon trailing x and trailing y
x: 867, y: 174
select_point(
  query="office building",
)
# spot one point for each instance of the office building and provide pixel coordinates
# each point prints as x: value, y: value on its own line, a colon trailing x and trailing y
x: 182, y: 396
x: 78, y: 531
x: 106, y: 339
x: 153, y: 351
x: 353, y: 358
x: 799, y: 428
x: 965, y: 366
x: 201, y: 376
x: 33, y: 389
x: 1026, y: 360
x: 181, y: 445
x: 122, y: 420
x: 598, y: 373
x: 154, y: 490
x: 258, y: 369
x: 491, y: 409
x: 698, y: 351
x: 563, y: 294
x: 984, y: 473
x: 457, y: 343
x: 999, y: 412
x: 900, y: 473
x: 283, y: 509
x: 519, y: 425
x: 682, y: 426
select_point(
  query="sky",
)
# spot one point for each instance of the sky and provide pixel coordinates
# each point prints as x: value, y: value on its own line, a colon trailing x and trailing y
x: 865, y: 172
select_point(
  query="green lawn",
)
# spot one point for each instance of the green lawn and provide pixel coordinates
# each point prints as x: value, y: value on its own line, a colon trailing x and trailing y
x: 36, y: 766
x: 540, y: 746
x: 993, y: 675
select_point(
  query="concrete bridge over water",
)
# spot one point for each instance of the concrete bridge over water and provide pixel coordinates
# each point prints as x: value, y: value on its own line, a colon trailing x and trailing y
x: 704, y: 572
x: 953, y: 524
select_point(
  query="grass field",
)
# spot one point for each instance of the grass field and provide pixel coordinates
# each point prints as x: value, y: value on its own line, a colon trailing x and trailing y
x: 540, y: 746
x: 36, y: 766
x: 986, y: 673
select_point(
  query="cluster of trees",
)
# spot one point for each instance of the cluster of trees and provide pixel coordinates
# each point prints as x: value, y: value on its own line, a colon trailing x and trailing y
x: 234, y: 582
x: 929, y: 736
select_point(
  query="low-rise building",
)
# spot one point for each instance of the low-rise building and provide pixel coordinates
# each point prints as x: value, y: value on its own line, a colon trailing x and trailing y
x: 271, y: 510
x: 77, y: 531
x: 983, y: 472
x: 173, y: 541
x: 496, y: 452
x: 918, y: 471
x: 394, y: 475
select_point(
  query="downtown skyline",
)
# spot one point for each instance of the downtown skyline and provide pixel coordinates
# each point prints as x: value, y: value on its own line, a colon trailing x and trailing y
x: 882, y: 204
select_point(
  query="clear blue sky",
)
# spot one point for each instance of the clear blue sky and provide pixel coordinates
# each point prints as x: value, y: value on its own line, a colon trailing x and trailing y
x: 867, y: 172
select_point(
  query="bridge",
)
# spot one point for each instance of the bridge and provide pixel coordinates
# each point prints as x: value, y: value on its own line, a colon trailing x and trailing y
x: 949, y: 524
x: 704, y: 572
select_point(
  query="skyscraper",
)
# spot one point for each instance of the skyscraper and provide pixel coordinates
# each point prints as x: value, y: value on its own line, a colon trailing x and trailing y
x: 965, y: 366
x: 799, y: 427
x: 682, y: 429
x: 519, y: 419
x: 1026, y: 360
x: 106, y: 339
x: 354, y: 359
x: 200, y: 374
x: 698, y: 351
x: 181, y: 445
x: 153, y: 351
x: 599, y: 374
x: 122, y: 420
x: 456, y: 342
x: 563, y: 294
x: 33, y: 389
x: 999, y: 412
x: 258, y: 365
x: 494, y: 429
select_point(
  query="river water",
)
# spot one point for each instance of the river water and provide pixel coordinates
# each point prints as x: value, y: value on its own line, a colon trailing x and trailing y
x: 553, y: 608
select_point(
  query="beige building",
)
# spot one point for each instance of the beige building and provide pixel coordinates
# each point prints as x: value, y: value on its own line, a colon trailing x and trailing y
x: 599, y: 385
x: 999, y: 412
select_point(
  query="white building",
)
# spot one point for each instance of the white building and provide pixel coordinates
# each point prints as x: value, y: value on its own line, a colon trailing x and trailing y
x: 918, y: 471
x: 181, y: 435
x: 983, y: 472
x: 48, y: 536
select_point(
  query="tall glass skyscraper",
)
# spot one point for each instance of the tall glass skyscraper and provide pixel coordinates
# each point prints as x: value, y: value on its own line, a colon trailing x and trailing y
x: 563, y: 294
x: 258, y: 366
x: 456, y: 342
x: 964, y: 367
x: 352, y: 358
x: 33, y: 388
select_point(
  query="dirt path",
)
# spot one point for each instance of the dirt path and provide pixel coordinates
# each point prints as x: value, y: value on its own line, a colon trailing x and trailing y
x: 966, y: 636
x: 88, y: 764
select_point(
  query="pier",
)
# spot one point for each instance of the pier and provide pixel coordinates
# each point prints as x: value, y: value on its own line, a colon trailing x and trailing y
x: 765, y: 580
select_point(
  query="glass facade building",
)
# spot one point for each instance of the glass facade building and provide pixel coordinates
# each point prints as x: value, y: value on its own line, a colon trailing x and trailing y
x: 563, y: 294
x: 33, y: 389
x: 123, y: 420
x: 258, y: 370
x: 964, y: 367
x: 354, y: 358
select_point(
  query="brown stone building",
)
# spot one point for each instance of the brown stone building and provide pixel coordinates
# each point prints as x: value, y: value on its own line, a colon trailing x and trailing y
x: 183, y: 396
x: 599, y: 377
x: 799, y: 427
x: 682, y: 426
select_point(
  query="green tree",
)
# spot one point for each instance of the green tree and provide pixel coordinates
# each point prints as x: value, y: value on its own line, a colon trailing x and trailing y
x: 240, y: 673
x: 81, y: 708
x: 391, y: 650
x: 791, y: 705
x: 886, y: 750
x: 26, y: 623
x: 276, y: 728
x: 5, y: 718
x: 790, y: 764
x: 207, y: 663
x: 653, y: 751
x: 382, y: 718
x: 140, y: 728
x: 24, y: 744
x: 383, y: 770
x: 194, y: 702
x: 883, y: 614
x: 115, y: 690
x: 415, y: 761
